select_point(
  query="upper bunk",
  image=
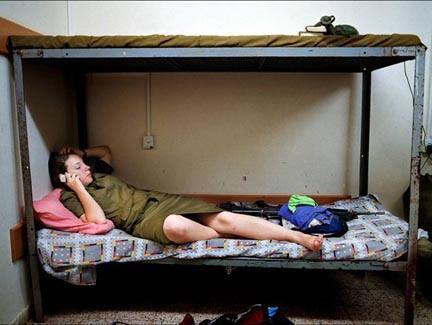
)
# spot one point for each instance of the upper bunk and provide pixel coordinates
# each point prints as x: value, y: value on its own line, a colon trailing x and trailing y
x: 171, y: 53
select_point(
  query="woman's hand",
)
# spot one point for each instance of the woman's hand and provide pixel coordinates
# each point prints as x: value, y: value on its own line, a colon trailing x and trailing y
x: 92, y: 210
x: 101, y: 152
x: 68, y: 150
x: 73, y: 182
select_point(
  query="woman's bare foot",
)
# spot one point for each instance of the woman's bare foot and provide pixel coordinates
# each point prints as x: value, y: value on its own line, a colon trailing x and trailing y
x: 312, y: 242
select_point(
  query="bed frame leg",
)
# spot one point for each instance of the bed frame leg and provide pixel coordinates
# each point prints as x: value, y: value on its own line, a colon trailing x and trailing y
x: 410, y: 296
x: 414, y: 185
x: 27, y: 186
x: 365, y: 130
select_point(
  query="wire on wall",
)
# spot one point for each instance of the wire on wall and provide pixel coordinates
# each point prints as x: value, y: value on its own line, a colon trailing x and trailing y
x: 409, y: 85
x: 148, y: 105
x: 69, y: 20
x: 423, y: 131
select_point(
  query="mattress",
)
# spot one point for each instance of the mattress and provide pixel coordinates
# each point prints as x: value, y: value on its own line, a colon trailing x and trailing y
x: 377, y: 235
x: 176, y: 41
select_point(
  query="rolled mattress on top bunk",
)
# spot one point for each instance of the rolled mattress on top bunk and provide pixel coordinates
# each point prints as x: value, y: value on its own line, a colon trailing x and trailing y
x: 59, y: 42
x: 73, y: 257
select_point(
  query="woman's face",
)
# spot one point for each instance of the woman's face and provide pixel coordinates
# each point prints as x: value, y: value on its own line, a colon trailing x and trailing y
x: 75, y: 165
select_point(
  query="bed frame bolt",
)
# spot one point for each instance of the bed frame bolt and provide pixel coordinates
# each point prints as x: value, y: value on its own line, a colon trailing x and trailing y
x: 229, y: 270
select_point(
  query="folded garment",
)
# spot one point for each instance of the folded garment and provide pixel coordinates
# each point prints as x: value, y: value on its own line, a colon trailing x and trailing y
x: 296, y: 200
x: 51, y: 213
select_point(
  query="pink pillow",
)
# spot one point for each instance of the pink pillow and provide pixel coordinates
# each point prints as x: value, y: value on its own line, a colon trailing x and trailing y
x: 51, y: 213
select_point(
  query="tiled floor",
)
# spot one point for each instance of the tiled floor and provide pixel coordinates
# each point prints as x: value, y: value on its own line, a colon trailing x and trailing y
x: 164, y: 295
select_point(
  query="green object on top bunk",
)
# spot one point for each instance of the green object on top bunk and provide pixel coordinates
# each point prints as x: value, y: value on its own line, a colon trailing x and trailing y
x: 56, y: 42
x: 344, y: 30
x: 296, y: 200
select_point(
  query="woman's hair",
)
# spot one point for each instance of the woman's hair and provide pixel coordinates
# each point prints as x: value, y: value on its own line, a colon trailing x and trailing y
x: 56, y: 166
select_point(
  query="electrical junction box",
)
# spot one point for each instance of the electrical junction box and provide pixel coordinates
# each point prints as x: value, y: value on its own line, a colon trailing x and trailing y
x: 148, y: 142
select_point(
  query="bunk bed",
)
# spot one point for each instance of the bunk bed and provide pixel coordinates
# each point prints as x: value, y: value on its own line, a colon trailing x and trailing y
x: 158, y: 53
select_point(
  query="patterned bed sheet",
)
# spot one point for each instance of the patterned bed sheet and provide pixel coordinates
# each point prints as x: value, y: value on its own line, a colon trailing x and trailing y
x: 73, y: 257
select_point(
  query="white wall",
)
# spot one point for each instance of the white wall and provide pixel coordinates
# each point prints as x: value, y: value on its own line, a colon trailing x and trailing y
x: 212, y: 129
x: 190, y: 166
x: 49, y: 99
x: 390, y: 145
x: 230, y: 18
x: 13, y: 282
x: 46, y: 92
x: 48, y: 122
x: 45, y: 17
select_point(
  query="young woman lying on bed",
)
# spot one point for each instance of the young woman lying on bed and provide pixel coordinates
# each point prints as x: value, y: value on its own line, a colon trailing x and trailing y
x: 165, y: 218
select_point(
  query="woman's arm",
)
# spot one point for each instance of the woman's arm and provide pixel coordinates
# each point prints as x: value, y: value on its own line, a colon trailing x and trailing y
x: 101, y: 152
x: 92, y: 210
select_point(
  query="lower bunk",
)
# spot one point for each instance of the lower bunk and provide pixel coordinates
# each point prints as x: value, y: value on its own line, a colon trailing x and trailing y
x: 375, y: 240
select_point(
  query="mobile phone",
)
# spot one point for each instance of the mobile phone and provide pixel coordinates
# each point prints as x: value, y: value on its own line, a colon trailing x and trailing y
x: 62, y: 178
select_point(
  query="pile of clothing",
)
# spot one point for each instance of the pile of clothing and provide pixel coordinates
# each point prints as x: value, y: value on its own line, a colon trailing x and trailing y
x: 303, y: 212
x: 255, y: 315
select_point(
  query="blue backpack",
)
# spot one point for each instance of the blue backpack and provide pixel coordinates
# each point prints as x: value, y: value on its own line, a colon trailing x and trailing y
x: 316, y: 220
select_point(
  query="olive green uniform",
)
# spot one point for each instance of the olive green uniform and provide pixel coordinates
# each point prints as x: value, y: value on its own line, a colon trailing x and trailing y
x: 138, y: 212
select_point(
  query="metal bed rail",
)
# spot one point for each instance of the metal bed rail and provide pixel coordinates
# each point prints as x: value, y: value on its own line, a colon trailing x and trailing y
x: 207, y: 52
x: 286, y: 263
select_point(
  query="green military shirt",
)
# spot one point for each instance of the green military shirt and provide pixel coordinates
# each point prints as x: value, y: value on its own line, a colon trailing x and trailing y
x: 138, y: 212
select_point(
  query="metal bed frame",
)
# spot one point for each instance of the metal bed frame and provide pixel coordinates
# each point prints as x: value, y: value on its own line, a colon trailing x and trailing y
x: 243, y: 59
